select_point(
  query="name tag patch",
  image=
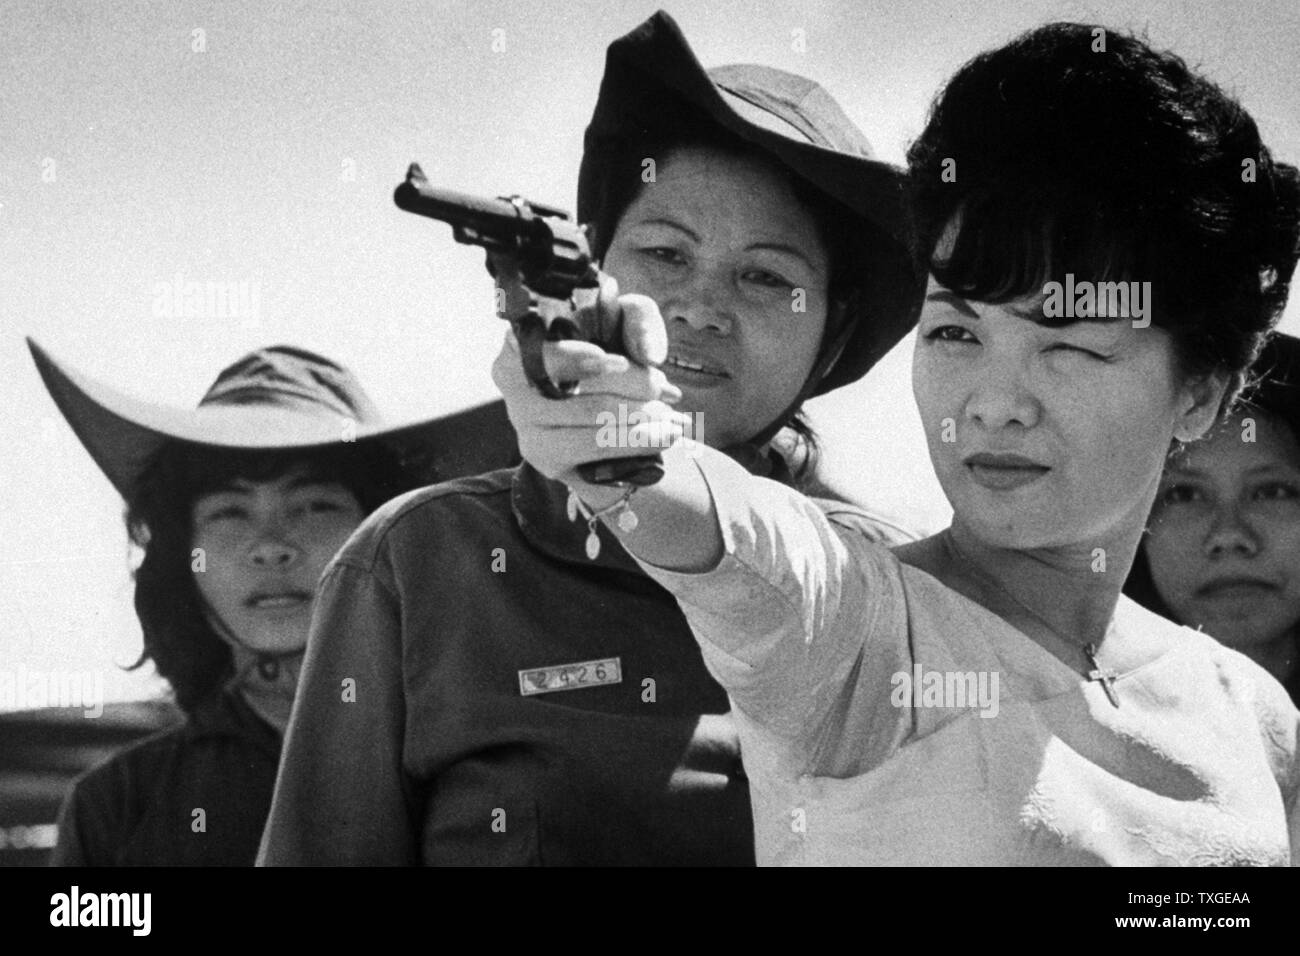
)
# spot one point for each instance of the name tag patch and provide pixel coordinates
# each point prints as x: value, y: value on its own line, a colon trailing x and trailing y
x: 544, y: 680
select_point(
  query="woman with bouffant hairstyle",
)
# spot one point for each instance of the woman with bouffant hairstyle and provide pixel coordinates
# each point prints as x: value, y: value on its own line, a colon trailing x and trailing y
x: 987, y: 696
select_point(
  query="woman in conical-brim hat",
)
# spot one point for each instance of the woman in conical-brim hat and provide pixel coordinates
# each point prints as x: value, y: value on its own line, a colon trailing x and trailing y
x: 237, y: 506
x: 1222, y: 548
x: 533, y: 697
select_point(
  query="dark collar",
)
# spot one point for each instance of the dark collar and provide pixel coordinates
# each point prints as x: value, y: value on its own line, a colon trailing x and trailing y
x: 541, y: 509
x: 224, y: 714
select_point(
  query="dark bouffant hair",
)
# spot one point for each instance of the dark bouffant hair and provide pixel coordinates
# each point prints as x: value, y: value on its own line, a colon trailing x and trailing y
x: 177, y: 637
x: 1120, y: 165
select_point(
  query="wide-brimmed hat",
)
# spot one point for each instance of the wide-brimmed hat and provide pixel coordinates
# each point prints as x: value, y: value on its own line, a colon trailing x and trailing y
x: 274, y: 399
x: 651, y: 75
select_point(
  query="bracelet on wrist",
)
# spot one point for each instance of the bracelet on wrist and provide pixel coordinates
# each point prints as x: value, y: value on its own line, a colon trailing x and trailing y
x: 627, y: 519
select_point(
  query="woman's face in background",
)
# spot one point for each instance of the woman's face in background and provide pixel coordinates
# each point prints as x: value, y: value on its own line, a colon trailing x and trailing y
x: 1043, y: 437
x: 740, y: 273
x: 265, y: 544
x: 1224, y: 543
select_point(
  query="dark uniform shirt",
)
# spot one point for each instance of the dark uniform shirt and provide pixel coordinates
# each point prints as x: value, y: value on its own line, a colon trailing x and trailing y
x: 195, y: 795
x: 412, y: 740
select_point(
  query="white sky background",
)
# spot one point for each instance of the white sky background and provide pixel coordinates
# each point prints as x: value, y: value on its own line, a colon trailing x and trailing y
x: 228, y: 165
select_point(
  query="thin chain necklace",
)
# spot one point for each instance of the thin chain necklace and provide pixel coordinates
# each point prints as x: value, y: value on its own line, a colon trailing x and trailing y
x: 1101, y: 675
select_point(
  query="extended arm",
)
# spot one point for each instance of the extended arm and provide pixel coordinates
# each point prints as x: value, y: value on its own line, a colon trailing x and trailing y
x: 776, y: 593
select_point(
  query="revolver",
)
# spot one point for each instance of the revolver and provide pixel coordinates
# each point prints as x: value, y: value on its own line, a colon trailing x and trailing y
x: 542, y: 265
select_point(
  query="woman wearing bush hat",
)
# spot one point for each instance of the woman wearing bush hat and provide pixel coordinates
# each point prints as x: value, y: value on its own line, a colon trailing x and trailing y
x: 236, y: 505
x: 525, y: 694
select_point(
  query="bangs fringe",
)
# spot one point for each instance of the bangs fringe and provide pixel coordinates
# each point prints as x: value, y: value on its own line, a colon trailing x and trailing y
x: 1008, y: 247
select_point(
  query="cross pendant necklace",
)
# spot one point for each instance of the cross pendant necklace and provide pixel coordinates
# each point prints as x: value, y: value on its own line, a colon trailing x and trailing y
x: 1100, y: 674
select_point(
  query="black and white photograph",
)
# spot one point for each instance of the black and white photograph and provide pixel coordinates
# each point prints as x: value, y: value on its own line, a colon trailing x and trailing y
x: 639, y: 435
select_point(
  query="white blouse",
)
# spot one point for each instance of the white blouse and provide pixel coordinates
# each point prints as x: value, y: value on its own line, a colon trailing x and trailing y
x: 886, y: 719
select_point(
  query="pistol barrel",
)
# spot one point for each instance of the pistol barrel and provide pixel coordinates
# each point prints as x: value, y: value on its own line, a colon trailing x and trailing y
x: 492, y: 219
